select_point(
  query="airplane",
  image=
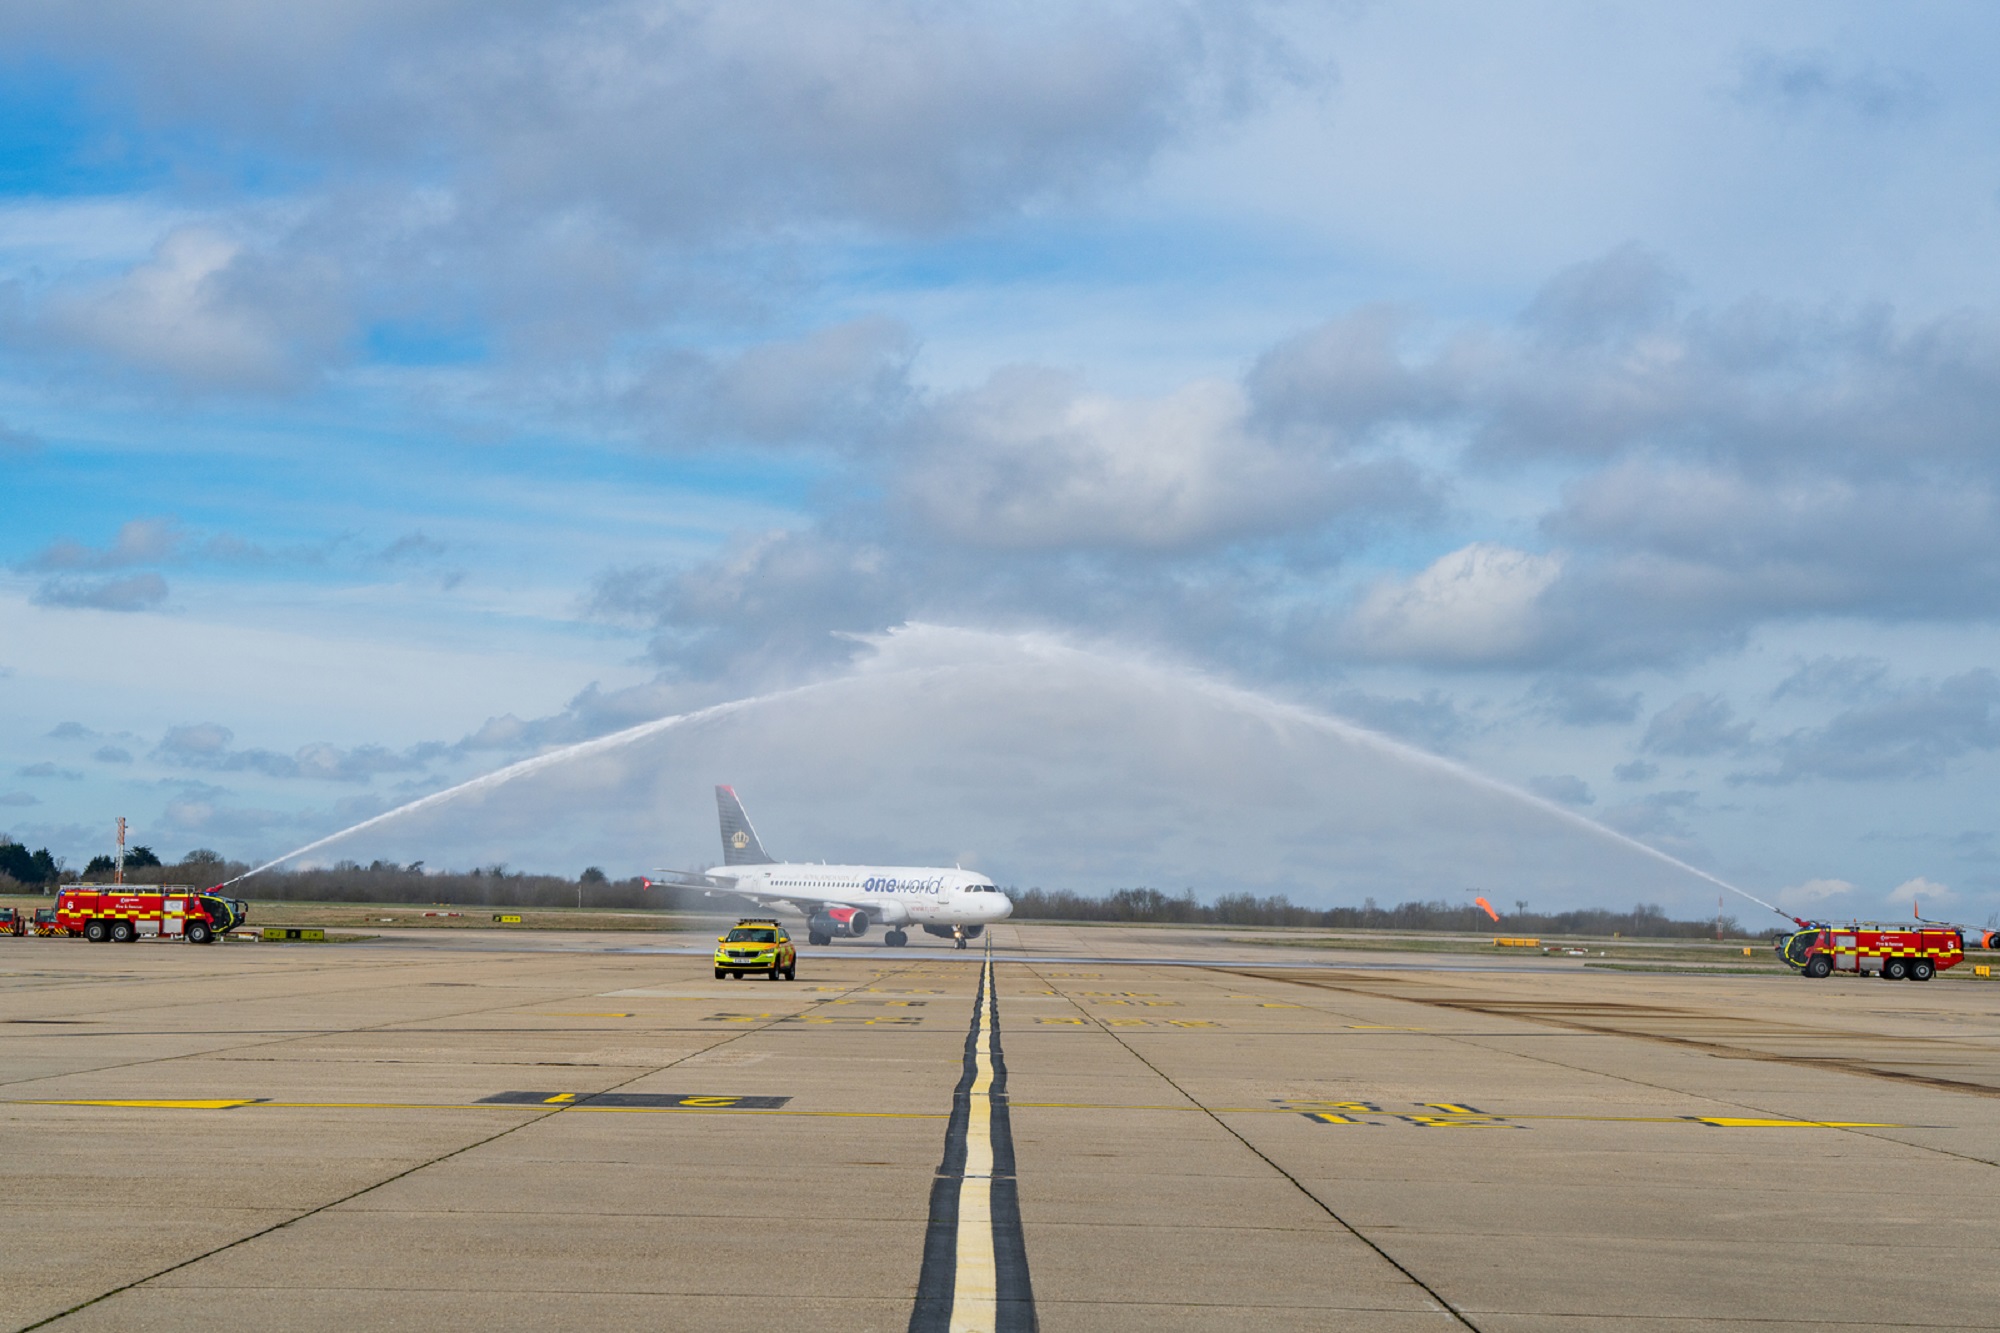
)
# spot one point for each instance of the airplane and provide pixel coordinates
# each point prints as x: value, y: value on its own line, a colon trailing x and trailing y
x: 844, y: 900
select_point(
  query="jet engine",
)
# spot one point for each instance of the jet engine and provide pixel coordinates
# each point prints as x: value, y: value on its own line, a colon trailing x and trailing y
x: 843, y: 921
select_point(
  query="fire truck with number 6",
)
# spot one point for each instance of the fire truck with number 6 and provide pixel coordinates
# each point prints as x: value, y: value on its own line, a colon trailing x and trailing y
x: 122, y: 913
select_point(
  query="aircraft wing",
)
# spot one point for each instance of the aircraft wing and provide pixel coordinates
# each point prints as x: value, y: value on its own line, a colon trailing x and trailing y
x: 681, y: 879
x: 711, y: 882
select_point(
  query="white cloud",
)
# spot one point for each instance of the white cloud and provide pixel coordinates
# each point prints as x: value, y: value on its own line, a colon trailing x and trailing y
x: 140, y: 541
x: 131, y: 592
x: 1479, y: 604
x: 681, y: 115
x: 1032, y: 460
x: 205, y: 309
x: 1920, y: 891
x: 1696, y: 725
x: 1816, y: 891
x: 1566, y: 788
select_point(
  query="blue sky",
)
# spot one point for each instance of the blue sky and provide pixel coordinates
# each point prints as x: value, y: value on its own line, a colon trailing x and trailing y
x: 1599, y: 396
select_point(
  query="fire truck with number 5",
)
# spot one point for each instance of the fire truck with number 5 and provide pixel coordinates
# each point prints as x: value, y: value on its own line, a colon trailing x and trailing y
x: 1892, y: 952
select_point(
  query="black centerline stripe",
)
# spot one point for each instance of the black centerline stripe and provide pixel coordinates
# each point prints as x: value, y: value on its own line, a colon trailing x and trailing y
x: 1016, y: 1298
x: 932, y: 1311
x: 1014, y: 1305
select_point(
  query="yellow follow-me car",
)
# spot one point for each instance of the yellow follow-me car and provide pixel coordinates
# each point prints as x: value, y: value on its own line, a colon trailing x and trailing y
x: 756, y: 945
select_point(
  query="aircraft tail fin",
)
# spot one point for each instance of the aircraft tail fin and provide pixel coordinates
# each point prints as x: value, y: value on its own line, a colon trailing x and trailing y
x: 739, y: 841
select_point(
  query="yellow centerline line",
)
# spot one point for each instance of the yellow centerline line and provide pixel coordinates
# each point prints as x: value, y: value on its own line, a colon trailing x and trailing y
x: 975, y: 1294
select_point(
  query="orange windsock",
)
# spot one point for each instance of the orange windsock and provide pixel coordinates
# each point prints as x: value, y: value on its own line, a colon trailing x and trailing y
x: 1488, y: 907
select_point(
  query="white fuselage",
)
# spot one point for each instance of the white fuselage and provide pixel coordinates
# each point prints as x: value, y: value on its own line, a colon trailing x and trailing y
x: 892, y: 895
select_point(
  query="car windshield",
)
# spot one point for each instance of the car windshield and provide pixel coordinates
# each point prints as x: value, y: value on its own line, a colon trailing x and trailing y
x: 742, y: 936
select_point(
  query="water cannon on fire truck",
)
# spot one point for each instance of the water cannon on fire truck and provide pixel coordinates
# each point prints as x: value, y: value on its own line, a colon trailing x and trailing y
x: 1916, y: 952
x: 121, y: 913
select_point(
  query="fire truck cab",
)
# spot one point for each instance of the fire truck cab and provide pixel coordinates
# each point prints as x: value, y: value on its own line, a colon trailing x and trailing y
x: 122, y: 913
x: 1893, y: 952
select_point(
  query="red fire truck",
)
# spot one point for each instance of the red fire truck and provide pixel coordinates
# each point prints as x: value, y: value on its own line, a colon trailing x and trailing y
x: 1895, y: 952
x: 123, y: 912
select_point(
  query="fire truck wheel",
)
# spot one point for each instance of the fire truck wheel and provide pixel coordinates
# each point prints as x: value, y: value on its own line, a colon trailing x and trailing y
x: 96, y: 931
x: 1922, y: 970
x: 199, y: 933
x: 121, y: 932
x: 1895, y: 969
x: 1819, y: 966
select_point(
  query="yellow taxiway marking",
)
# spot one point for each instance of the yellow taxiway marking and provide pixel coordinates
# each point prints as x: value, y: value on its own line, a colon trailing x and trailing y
x: 1746, y: 1122
x: 559, y: 1103
x: 175, y: 1104
x: 566, y: 1102
x: 1455, y: 1109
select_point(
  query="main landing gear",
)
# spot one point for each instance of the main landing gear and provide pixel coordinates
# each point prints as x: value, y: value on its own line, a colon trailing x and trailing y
x: 895, y: 939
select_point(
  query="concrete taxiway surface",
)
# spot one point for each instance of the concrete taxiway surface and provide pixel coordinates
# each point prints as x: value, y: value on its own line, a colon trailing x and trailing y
x: 1137, y: 1130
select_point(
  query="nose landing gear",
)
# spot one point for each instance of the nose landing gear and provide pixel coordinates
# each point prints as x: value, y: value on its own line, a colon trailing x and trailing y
x: 958, y: 937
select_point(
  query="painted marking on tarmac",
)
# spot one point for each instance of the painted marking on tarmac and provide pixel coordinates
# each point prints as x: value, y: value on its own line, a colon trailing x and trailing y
x: 822, y: 1020
x: 174, y: 1104
x: 646, y: 1101
x: 1445, y: 1115
x: 1072, y: 1021
x: 975, y: 1270
x: 1429, y: 1115
x: 1746, y: 1122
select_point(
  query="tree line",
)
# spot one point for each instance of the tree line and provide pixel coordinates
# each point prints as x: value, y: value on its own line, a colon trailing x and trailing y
x: 497, y: 886
x: 23, y: 867
x: 383, y: 882
x: 1247, y: 909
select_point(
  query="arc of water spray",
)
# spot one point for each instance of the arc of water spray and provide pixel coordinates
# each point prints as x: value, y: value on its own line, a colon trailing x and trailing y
x: 523, y: 768
x: 1245, y: 700
x: 1375, y: 740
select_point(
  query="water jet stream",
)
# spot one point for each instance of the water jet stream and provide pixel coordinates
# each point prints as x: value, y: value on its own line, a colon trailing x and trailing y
x: 1272, y: 711
x: 598, y: 745
x: 1375, y: 740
